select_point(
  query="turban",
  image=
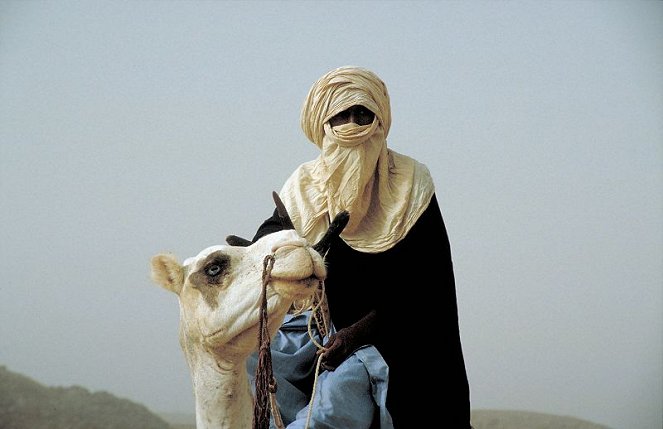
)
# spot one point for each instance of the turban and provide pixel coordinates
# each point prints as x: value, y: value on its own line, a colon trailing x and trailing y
x: 338, y: 90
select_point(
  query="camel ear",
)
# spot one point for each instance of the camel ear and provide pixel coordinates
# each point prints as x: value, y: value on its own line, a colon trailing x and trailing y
x: 234, y: 240
x: 167, y: 272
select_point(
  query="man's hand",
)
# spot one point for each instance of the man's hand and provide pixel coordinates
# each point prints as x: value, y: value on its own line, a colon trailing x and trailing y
x: 347, y: 340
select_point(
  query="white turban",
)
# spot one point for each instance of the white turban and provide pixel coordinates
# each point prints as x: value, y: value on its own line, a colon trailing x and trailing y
x: 338, y: 90
x: 384, y: 192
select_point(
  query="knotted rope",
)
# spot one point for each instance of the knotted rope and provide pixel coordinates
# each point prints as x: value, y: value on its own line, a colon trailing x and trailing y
x: 265, y: 396
x: 319, y: 312
x: 265, y: 381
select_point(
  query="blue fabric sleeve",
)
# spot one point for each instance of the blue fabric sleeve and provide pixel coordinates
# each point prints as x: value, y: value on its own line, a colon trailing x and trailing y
x: 352, y: 396
x: 346, y: 397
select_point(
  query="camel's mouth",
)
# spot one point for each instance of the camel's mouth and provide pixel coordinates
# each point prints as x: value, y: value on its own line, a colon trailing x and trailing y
x: 242, y: 342
x: 296, y: 289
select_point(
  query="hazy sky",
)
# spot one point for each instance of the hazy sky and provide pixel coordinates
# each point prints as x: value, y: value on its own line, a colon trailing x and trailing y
x: 131, y: 128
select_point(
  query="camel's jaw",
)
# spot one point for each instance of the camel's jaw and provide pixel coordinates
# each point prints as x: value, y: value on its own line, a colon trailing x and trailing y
x: 236, y: 336
x: 240, y: 339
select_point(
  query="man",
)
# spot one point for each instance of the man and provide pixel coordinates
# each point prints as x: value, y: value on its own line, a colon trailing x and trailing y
x: 392, y: 258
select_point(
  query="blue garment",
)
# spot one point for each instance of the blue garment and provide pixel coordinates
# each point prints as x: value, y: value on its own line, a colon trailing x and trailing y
x: 352, y: 396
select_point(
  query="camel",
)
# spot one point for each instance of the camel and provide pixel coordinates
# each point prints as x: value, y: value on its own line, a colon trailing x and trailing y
x: 219, y: 293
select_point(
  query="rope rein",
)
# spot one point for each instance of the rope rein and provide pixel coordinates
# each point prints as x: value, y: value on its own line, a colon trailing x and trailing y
x: 265, y: 381
x: 320, y: 313
x: 265, y: 396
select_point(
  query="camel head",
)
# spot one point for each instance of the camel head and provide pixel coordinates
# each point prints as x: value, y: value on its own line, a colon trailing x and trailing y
x: 219, y: 289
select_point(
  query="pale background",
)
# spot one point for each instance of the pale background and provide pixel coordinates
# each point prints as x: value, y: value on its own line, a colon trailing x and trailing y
x: 130, y: 128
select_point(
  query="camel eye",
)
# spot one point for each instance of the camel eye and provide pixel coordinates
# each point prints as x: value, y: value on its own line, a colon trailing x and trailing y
x: 216, y: 266
x: 213, y: 270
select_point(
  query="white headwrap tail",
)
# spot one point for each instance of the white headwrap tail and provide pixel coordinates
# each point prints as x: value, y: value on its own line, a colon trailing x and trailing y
x: 385, y: 192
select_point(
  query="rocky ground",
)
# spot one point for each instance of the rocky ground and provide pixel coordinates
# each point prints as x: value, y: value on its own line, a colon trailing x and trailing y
x: 481, y: 419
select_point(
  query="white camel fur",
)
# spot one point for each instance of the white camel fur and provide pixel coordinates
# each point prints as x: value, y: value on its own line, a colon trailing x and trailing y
x: 219, y: 296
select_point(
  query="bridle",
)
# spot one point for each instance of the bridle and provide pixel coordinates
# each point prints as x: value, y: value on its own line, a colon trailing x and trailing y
x: 265, y: 403
x: 265, y: 396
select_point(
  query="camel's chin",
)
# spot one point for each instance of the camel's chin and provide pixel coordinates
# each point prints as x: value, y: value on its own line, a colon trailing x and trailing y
x: 295, y: 290
x: 243, y: 343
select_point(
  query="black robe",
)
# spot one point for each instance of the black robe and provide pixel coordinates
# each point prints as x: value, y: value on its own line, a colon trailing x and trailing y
x: 412, y: 288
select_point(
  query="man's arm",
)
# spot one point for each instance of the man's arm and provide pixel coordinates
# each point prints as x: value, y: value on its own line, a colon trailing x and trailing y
x: 347, y: 340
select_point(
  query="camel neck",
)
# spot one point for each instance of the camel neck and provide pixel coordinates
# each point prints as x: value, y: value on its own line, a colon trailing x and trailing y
x: 223, y: 396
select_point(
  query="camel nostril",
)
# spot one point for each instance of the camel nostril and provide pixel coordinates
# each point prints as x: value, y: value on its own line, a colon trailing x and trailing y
x: 300, y: 242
